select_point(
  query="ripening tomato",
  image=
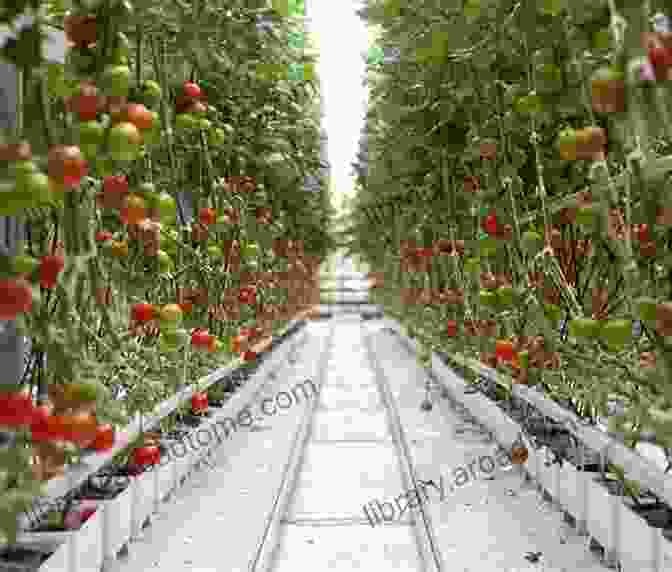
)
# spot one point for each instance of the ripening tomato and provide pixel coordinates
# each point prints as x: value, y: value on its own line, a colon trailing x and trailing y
x: 192, y: 90
x: 143, y: 312
x: 170, y: 314
x: 66, y: 165
x: 207, y: 216
x: 140, y: 116
x: 80, y: 428
x: 104, y: 439
x: 51, y: 266
x: 504, y: 350
x: 124, y: 142
x: 119, y: 248
x: 133, y: 210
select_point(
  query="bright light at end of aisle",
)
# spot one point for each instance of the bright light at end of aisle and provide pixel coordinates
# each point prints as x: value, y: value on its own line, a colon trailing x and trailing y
x: 342, y: 40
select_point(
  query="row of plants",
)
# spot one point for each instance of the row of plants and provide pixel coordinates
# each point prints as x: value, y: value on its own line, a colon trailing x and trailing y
x: 513, y: 198
x: 159, y: 173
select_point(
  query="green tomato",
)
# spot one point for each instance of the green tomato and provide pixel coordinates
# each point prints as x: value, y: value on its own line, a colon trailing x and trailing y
x: 24, y: 264
x: 186, y: 122
x: 116, y: 81
x: 586, y: 215
x: 175, y: 337
x: 122, y: 48
x: 204, y: 124
x: 585, y: 328
x: 616, y: 334
x: 215, y: 251
x: 472, y: 9
x: 37, y: 185
x: 151, y: 92
x: 487, y: 246
x: 472, y: 266
x: 250, y: 250
x: 552, y: 312
x: 217, y: 137
x: 22, y: 170
x: 506, y: 296
x: 164, y: 261
x: 91, y: 137
x: 488, y: 298
x: 531, y: 242
x: 56, y: 82
x: 166, y: 205
x: 646, y: 309
x: 15, y: 202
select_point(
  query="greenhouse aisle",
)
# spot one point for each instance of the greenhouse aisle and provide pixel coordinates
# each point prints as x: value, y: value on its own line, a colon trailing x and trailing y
x: 289, y: 492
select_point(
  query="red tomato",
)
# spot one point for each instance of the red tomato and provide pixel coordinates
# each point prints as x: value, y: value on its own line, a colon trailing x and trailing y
x: 140, y: 116
x: 104, y: 439
x: 103, y: 236
x: 16, y: 297
x: 50, y: 267
x: 200, y: 339
x: 86, y: 103
x: 142, y: 313
x: 115, y: 185
x: 66, y: 165
x: 207, y: 216
x: 490, y: 224
x: 192, y: 90
x: 199, y: 402
x: 249, y: 355
x: 247, y: 295
x: 147, y: 455
x: 16, y: 408
x: 643, y: 234
x: 39, y: 427
x: 451, y: 328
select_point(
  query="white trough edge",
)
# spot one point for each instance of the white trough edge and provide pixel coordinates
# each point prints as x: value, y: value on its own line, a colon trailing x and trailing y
x: 636, y: 467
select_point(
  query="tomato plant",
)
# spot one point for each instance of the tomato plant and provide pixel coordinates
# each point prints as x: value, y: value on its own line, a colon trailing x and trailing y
x: 113, y: 153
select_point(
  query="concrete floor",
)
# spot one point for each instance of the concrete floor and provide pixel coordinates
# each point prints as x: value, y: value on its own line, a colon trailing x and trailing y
x: 358, y: 451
